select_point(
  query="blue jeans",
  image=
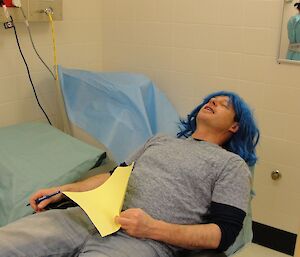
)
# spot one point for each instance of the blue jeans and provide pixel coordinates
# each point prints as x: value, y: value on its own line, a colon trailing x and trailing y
x: 66, y: 232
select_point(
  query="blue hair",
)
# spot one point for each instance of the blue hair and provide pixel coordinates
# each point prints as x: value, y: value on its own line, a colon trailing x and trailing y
x: 244, y: 141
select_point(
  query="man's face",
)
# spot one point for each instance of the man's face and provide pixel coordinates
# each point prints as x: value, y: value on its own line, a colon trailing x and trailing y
x: 219, y: 114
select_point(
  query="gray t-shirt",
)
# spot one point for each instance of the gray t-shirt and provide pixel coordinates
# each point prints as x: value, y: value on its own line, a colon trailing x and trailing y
x: 175, y: 180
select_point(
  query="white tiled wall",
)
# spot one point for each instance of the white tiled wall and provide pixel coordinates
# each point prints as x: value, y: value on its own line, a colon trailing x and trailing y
x: 79, y: 45
x: 193, y: 47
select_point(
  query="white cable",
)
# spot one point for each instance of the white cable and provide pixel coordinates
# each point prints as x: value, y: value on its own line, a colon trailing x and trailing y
x: 6, y: 13
x: 33, y: 45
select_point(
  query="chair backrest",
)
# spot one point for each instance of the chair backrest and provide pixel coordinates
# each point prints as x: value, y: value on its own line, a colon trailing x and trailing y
x: 91, y: 97
x: 116, y: 107
x: 245, y: 236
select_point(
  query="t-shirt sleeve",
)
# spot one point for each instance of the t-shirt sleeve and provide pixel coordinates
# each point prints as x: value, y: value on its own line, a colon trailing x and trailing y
x: 230, y: 221
x: 233, y: 185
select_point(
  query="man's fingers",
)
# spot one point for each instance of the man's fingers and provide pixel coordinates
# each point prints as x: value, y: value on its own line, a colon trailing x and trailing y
x: 131, y: 213
x: 122, y: 221
x: 40, y: 194
x: 43, y: 204
x: 126, y: 213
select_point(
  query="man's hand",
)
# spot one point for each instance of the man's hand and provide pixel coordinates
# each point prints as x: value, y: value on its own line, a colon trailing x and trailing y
x: 136, y: 222
x: 42, y: 192
x: 139, y: 224
x: 80, y: 186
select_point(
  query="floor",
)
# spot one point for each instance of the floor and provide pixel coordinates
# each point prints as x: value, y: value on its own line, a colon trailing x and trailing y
x: 253, y: 250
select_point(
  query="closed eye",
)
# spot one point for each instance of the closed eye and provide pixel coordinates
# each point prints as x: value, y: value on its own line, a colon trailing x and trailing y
x: 225, y: 104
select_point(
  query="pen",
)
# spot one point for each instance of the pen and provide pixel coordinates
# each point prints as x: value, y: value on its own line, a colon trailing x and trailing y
x: 37, y: 201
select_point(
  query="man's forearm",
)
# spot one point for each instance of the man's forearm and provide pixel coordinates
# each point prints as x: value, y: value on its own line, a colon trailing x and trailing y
x: 206, y: 236
x: 87, y: 184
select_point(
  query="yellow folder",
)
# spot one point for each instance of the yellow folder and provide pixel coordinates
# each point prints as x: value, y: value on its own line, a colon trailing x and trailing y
x: 104, y: 203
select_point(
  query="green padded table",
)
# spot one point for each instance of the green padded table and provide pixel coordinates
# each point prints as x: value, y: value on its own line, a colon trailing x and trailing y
x: 37, y: 155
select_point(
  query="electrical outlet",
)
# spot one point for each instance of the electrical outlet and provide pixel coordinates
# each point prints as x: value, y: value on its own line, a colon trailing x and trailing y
x: 34, y: 11
x: 8, y: 25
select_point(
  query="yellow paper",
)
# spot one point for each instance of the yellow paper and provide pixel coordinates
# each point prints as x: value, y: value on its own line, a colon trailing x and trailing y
x: 104, y: 203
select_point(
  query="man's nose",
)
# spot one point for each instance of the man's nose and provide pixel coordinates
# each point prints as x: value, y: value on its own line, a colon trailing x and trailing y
x: 213, y: 101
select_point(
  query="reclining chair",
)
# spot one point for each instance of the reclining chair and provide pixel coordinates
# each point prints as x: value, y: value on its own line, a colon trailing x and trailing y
x: 89, y: 97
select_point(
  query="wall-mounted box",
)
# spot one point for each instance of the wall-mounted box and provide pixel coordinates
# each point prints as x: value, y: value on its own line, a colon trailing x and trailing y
x: 34, y: 11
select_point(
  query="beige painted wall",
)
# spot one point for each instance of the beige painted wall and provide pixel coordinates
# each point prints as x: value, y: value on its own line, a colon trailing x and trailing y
x: 79, y: 44
x: 193, y: 47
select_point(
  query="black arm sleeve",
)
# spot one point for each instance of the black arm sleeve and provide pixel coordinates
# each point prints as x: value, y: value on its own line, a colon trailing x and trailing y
x: 123, y: 164
x: 229, y: 219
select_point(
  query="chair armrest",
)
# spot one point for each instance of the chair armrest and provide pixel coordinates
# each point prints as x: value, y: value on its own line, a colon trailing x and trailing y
x: 204, y: 253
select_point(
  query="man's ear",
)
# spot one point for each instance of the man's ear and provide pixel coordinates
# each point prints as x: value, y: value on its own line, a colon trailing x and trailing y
x: 234, y: 127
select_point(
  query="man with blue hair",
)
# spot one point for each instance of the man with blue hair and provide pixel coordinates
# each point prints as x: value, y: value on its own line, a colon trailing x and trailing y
x: 189, y: 192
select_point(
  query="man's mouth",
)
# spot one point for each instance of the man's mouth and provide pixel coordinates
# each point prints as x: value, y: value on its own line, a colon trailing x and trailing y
x: 209, y: 109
